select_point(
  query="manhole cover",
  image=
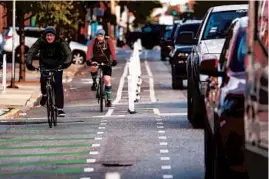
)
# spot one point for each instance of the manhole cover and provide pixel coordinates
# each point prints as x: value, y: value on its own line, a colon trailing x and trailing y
x: 117, y: 164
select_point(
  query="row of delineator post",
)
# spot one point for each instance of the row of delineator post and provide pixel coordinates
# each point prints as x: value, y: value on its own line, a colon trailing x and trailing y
x: 134, y: 76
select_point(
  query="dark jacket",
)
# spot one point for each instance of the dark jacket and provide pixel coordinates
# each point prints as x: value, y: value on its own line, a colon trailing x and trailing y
x: 51, y: 55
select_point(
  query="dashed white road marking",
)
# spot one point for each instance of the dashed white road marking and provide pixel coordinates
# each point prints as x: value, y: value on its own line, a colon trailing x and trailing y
x: 165, y: 158
x: 103, y: 123
x: 100, y: 133
x: 162, y: 137
x: 95, y: 145
x: 156, y: 111
x: 159, y: 119
x: 93, y: 152
x: 91, y: 160
x: 163, y: 143
x: 160, y: 127
x: 88, y: 169
x: 112, y: 175
x: 167, y: 176
x: 164, y: 151
x: 159, y: 123
x: 122, y: 80
x: 161, y: 132
x: 101, y: 127
x: 103, y: 120
x: 166, y: 167
x: 85, y: 178
x: 98, y: 138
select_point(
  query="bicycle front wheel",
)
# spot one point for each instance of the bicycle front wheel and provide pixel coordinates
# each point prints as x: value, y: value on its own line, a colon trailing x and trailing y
x: 50, y: 111
x: 101, y: 91
x: 54, y: 108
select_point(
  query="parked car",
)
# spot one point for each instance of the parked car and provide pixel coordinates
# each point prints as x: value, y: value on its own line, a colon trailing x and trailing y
x: 224, y: 106
x: 182, y: 47
x: 256, y: 96
x: 209, y: 40
x: 165, y: 43
x: 79, y: 51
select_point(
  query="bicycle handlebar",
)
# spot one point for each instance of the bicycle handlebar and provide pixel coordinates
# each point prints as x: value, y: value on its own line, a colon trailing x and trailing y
x: 99, y: 64
x: 49, y: 70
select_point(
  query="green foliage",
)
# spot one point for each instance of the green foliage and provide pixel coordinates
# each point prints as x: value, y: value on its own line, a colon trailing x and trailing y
x: 59, y: 13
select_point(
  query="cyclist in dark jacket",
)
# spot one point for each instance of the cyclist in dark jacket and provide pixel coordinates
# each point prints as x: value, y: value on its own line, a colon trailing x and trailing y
x: 54, y: 53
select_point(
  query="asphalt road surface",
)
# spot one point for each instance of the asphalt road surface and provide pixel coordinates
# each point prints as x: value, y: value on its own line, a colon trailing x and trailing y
x: 156, y: 142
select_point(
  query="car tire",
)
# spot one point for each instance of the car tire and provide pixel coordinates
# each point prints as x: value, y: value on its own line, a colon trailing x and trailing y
x: 198, y: 111
x: 189, y: 100
x: 78, y: 57
x: 177, y: 83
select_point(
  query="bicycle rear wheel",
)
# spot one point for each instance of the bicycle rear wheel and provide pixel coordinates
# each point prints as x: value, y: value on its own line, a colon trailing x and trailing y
x: 49, y: 107
x: 101, y: 92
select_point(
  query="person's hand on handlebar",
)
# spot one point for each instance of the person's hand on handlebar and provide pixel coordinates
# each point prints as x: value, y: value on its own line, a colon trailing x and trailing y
x: 114, y: 63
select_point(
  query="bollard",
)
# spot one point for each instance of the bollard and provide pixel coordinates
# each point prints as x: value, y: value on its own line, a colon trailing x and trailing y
x: 4, y: 76
x: 131, y: 93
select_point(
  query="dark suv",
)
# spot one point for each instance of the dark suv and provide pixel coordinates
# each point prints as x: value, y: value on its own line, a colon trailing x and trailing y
x: 184, y: 36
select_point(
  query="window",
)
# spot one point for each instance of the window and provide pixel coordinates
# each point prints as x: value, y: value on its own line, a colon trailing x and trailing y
x: 262, y: 23
x: 219, y: 23
x: 189, y: 28
x: 239, y: 53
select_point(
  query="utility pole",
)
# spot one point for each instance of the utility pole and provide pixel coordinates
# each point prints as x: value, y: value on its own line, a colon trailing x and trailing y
x: 12, y: 84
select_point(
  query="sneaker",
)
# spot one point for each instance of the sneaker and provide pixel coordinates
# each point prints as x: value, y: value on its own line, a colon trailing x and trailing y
x: 108, y: 103
x: 61, y: 113
x: 43, y: 100
x: 94, y: 87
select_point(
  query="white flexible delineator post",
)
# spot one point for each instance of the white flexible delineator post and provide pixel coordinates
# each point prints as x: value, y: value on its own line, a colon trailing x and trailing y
x: 4, y: 75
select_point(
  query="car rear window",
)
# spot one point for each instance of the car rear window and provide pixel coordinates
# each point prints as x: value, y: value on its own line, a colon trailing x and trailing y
x: 187, y: 28
x: 219, y: 23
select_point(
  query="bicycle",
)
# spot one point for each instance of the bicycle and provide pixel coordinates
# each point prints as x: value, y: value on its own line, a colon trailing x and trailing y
x: 52, y: 110
x: 100, y: 93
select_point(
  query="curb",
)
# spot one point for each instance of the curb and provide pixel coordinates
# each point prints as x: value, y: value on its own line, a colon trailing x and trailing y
x: 34, y: 99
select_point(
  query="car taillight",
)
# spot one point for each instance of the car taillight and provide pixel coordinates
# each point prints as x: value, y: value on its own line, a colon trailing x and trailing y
x: 7, y: 37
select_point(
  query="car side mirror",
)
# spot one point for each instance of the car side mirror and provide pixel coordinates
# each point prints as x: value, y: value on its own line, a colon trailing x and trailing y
x: 209, y: 65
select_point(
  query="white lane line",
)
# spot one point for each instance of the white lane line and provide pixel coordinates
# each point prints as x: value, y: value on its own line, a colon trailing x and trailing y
x: 112, y: 175
x: 98, y: 138
x: 156, y: 111
x: 91, y: 160
x: 85, y: 178
x: 162, y: 137
x: 161, y: 132
x: 159, y: 119
x: 109, y: 112
x: 122, y: 79
x: 101, y: 127
x: 174, y: 114
x: 166, y: 167
x: 164, y: 151
x: 103, y: 124
x: 160, y: 127
x: 93, y: 152
x: 165, y: 158
x: 163, y: 143
x: 167, y: 176
x: 103, y: 120
x: 151, y: 82
x: 159, y: 123
x: 100, y: 133
x: 88, y: 169
x: 95, y: 145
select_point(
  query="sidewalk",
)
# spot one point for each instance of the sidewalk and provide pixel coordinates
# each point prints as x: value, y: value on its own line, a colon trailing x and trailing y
x: 28, y: 93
